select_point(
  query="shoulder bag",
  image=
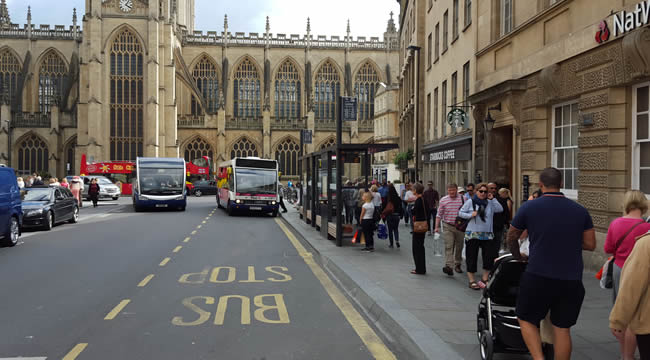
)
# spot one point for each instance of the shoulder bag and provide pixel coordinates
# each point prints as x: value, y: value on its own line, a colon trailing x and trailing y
x: 421, y: 227
x: 461, y: 223
x: 609, y: 275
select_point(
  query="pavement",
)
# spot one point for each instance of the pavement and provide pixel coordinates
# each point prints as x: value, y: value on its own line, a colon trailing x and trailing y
x: 434, y: 316
x: 174, y: 285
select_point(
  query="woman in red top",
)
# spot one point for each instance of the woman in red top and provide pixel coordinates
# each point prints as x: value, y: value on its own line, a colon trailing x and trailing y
x: 635, y: 206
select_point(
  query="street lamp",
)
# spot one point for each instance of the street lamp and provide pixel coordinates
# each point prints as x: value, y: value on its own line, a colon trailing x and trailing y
x: 9, y: 140
x: 489, y: 125
x: 489, y: 122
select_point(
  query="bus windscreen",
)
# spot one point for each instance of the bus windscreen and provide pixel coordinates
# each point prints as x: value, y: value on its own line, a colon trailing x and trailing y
x: 256, y: 181
x: 253, y: 163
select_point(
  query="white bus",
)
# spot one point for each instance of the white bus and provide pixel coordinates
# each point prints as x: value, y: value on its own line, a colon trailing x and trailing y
x: 248, y: 185
x: 159, y: 183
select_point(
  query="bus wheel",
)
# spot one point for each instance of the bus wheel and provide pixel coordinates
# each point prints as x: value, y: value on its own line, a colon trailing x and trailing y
x: 198, y: 193
x: 274, y: 213
x: 219, y: 203
x: 229, y: 209
x: 136, y: 208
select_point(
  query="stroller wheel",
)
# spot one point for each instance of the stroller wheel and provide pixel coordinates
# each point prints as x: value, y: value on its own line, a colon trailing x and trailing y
x: 481, y: 324
x: 487, y: 345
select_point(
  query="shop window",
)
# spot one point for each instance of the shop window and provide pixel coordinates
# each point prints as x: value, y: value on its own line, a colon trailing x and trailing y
x: 641, y: 139
x: 565, y: 145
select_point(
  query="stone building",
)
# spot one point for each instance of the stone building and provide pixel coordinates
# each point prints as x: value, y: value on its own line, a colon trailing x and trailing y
x: 567, y: 83
x: 140, y: 81
x: 448, y: 55
x: 386, y: 132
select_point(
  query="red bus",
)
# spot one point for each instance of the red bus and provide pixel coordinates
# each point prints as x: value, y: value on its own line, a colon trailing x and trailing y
x: 124, y: 171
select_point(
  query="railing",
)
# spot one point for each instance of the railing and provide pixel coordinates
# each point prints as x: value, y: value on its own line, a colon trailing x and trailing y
x: 42, y: 32
x: 331, y: 125
x: 191, y: 121
x: 287, y: 124
x: 29, y: 120
x: 282, y: 40
x: 243, y: 124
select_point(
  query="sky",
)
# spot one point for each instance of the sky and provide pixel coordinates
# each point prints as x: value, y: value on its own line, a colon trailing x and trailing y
x: 328, y: 17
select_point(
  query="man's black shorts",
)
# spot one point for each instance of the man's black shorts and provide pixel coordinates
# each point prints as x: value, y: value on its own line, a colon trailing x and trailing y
x: 538, y: 295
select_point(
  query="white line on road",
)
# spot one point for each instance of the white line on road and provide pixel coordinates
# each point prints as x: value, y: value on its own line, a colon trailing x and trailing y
x: 24, y: 358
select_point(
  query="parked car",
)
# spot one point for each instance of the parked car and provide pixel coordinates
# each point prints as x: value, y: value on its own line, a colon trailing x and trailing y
x: 106, y: 187
x: 46, y: 206
x: 204, y: 187
x: 11, y: 213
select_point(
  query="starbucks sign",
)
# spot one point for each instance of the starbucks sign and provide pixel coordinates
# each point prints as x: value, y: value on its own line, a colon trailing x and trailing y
x: 457, y: 118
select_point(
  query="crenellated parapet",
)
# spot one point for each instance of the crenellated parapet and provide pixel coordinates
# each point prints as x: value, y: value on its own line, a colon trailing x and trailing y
x: 42, y: 32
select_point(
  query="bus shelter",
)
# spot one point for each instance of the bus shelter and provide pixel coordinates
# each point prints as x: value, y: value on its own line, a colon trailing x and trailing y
x: 323, y: 185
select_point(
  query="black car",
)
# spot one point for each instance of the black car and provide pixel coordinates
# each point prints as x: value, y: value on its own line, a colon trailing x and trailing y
x: 44, y: 207
x: 204, y: 187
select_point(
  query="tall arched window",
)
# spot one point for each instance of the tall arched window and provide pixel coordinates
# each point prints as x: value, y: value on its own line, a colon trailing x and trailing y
x: 9, y: 70
x: 50, y: 81
x: 243, y: 148
x: 69, y: 153
x: 365, y: 87
x: 33, y: 155
x: 287, y: 92
x: 127, y: 106
x: 328, y: 143
x: 197, y: 149
x: 247, y: 92
x: 327, y: 89
x: 286, y: 153
x: 207, y: 80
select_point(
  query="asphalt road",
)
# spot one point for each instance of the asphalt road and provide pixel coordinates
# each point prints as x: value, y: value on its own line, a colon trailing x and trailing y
x: 172, y: 285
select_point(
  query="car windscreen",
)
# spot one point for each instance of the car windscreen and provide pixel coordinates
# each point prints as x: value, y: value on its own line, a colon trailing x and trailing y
x: 161, y: 181
x: 36, y: 194
x: 104, y: 181
x: 256, y: 181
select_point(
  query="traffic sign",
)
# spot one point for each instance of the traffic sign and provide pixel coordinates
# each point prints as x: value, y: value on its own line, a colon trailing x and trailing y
x: 348, y: 108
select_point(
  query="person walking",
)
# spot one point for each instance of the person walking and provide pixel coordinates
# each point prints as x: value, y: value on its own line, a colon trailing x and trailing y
x: 367, y: 221
x: 350, y: 201
x: 503, y: 218
x: 376, y: 197
x: 630, y: 312
x: 431, y: 197
x: 38, y: 181
x: 76, y: 188
x: 480, y: 210
x: 620, y: 241
x: 65, y: 183
x: 453, y: 238
x: 93, y: 191
x: 21, y: 183
x: 284, y: 208
x: 470, y: 191
x: 420, y: 213
x: 391, y: 214
x: 407, y: 195
x: 559, y: 229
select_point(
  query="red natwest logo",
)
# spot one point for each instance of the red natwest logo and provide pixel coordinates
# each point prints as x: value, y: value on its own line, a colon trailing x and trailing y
x: 602, y: 34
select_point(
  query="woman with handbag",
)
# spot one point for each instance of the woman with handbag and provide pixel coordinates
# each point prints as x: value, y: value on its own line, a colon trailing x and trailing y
x: 480, y: 210
x: 620, y: 242
x: 420, y: 227
x: 391, y: 215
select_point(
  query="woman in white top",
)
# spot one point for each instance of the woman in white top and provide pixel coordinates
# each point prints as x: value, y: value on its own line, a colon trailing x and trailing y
x: 367, y: 221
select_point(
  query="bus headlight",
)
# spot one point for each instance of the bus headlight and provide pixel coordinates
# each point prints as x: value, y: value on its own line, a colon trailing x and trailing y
x: 273, y: 202
x: 237, y: 201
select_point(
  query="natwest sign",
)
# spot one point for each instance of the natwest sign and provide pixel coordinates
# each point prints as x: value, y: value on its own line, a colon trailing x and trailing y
x: 626, y: 21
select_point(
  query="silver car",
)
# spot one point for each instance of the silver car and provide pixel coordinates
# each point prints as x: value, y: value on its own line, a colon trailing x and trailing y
x: 106, y: 188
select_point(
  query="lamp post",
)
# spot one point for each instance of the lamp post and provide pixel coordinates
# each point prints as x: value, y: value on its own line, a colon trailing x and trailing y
x: 489, y: 125
x: 416, y: 124
x: 9, y: 140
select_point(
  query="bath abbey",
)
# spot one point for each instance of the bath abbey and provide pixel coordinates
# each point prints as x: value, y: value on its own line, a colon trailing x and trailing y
x: 131, y: 78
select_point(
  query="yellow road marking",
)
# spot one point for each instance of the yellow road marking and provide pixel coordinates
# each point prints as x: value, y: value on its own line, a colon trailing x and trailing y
x: 199, y: 226
x: 207, y: 217
x: 111, y: 315
x: 374, y: 344
x: 165, y: 261
x: 204, y: 222
x: 177, y: 249
x: 145, y: 281
x: 187, y: 239
x: 76, y: 350
x: 193, y: 232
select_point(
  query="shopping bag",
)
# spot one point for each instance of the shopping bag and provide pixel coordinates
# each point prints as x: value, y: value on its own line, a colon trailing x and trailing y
x: 356, y: 238
x: 382, y: 231
x: 607, y: 280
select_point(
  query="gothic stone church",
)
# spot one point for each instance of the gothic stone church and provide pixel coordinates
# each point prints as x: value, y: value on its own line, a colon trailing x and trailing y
x: 138, y: 80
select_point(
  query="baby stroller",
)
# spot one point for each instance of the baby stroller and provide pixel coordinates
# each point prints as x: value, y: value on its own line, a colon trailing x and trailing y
x: 497, y: 326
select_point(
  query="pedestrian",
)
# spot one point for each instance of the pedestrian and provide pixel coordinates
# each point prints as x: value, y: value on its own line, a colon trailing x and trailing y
x: 409, y: 200
x: 349, y: 201
x: 503, y: 217
x: 431, y: 197
x: 21, y: 183
x: 383, y: 191
x: 558, y: 230
x: 453, y: 238
x: 420, y: 214
x: 76, y: 187
x: 620, y: 241
x: 284, y: 208
x: 536, y: 194
x: 630, y: 312
x: 470, y: 191
x: 391, y: 214
x: 480, y: 210
x: 360, y: 203
x: 376, y: 197
x: 65, y: 183
x: 38, y: 181
x: 28, y: 181
x: 367, y: 221
x: 93, y: 191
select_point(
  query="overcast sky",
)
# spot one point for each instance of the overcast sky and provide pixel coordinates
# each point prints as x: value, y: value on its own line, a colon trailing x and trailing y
x: 328, y: 17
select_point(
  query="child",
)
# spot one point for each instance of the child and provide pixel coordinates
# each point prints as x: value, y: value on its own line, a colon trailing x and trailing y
x: 367, y: 221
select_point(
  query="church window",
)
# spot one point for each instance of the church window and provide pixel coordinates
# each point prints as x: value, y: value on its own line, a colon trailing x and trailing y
x: 365, y: 89
x: 50, y: 81
x: 33, y: 155
x: 286, y: 153
x: 247, y: 92
x: 327, y: 89
x: 9, y: 71
x: 207, y: 81
x: 287, y: 92
x: 243, y: 148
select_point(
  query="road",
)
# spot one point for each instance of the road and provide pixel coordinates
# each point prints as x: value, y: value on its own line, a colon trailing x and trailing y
x: 171, y: 285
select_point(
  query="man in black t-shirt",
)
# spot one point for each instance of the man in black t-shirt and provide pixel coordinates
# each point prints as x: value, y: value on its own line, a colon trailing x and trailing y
x: 558, y: 230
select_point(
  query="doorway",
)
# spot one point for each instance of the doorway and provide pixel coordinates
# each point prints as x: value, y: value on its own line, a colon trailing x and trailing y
x: 500, y: 166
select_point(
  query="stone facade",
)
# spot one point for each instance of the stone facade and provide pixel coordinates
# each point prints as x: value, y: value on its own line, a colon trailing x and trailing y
x: 569, y: 99
x: 145, y: 83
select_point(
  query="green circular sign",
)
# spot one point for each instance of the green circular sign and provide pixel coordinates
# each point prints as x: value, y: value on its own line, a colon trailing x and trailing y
x: 457, y: 117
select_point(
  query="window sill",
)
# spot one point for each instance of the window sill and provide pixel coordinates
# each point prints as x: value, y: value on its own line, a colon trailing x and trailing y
x: 444, y: 51
x: 436, y: 61
x: 454, y: 40
x: 429, y: 68
x: 467, y: 26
